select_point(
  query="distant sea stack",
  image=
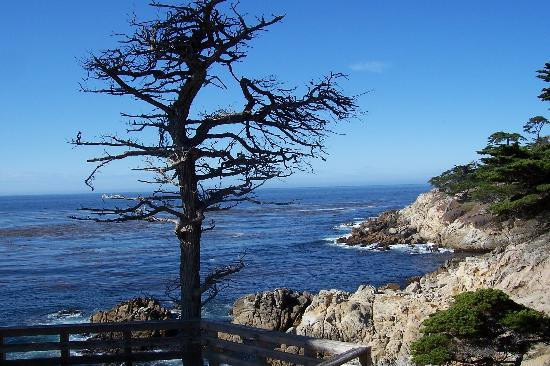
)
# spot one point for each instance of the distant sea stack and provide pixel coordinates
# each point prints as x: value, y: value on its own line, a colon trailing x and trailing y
x: 438, y: 218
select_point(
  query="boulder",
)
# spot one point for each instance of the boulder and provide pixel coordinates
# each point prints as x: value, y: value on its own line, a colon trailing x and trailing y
x: 278, y: 310
x: 383, y: 231
x: 137, y: 309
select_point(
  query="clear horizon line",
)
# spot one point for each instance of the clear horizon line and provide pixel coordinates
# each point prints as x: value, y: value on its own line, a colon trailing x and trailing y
x: 259, y: 189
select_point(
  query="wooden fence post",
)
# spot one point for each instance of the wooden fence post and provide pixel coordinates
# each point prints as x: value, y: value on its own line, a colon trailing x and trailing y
x: 365, y: 359
x: 127, y: 336
x: 64, y: 348
x: 212, y: 362
x: 309, y: 352
x: 259, y: 360
x: 2, y: 354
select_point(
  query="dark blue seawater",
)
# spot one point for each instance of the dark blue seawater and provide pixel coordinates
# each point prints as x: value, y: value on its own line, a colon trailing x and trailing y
x: 49, y: 262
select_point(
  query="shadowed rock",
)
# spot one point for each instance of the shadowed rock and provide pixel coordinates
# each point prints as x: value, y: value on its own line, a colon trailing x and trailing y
x: 273, y: 310
x: 137, y: 309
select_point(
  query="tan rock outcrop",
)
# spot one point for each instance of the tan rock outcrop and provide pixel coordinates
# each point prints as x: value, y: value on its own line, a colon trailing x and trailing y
x: 441, y: 219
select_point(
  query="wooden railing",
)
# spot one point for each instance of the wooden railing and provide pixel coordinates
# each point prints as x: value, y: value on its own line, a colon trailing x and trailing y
x: 221, y: 343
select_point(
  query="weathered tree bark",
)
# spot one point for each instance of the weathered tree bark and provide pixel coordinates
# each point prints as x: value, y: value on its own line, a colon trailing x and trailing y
x: 190, y: 303
x: 189, y: 272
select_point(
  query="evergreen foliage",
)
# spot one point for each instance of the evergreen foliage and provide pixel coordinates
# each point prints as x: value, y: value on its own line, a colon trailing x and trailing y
x: 544, y: 74
x: 513, y: 175
x: 486, y: 319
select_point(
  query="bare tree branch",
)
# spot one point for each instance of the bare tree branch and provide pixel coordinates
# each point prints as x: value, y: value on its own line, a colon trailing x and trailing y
x: 203, y: 162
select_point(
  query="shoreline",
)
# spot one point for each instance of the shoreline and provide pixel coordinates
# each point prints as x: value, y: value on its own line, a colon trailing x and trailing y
x: 515, y: 260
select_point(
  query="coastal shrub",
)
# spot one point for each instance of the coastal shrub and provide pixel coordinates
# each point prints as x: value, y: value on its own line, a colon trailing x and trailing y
x: 459, y: 179
x: 432, y: 349
x: 543, y: 187
x: 521, y: 204
x: 481, y: 324
x: 524, y: 320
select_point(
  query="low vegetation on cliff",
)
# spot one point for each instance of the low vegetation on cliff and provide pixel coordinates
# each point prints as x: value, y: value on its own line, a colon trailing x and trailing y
x: 513, y: 174
x: 484, y: 326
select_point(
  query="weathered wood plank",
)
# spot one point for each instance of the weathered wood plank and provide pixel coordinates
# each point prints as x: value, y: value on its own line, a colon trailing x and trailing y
x: 97, y: 359
x: 64, y: 348
x: 27, y: 347
x: 127, y: 338
x: 321, y: 345
x: 2, y: 354
x: 260, y: 352
x: 366, y: 359
x: 218, y: 358
x: 212, y: 361
x: 260, y: 360
x: 90, y: 344
x: 96, y: 327
x: 342, y: 358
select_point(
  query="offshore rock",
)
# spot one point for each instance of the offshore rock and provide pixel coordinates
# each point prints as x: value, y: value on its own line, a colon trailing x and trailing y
x: 137, y: 309
x: 387, y: 229
x: 278, y: 310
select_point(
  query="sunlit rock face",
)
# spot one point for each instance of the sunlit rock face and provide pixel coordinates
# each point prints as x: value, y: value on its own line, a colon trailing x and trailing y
x: 441, y: 219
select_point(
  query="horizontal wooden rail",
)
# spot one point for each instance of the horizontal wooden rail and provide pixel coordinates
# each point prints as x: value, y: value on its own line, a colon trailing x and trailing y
x: 347, y: 356
x: 96, y: 359
x: 85, y: 328
x: 90, y: 344
x: 315, y: 344
x: 227, y: 359
x: 244, y: 346
x: 260, y: 351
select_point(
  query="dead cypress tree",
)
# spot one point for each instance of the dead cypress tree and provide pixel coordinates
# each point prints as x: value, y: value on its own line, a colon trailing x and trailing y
x: 202, y: 162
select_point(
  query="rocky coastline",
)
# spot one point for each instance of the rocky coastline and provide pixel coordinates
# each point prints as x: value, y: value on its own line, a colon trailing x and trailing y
x: 516, y: 261
x: 446, y: 222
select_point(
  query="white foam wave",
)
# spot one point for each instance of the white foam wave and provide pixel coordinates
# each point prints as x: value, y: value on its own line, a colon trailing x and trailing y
x: 370, y: 247
x: 348, y: 225
x: 420, y: 248
x: 165, y: 363
x: 66, y: 316
x: 333, y: 239
x: 112, y: 196
x: 323, y: 209
x: 426, y: 248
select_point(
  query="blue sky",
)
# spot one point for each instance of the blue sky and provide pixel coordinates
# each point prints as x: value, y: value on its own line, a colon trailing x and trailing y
x: 440, y: 75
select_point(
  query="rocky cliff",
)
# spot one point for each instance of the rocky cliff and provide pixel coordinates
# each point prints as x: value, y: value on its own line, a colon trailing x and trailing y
x: 441, y: 219
x: 389, y: 319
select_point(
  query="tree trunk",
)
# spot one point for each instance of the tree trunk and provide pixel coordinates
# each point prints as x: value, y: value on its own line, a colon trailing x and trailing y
x: 190, y: 292
x: 189, y: 236
x: 189, y: 273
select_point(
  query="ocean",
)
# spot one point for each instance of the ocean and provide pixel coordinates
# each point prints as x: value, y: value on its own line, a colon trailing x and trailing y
x: 50, y: 263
